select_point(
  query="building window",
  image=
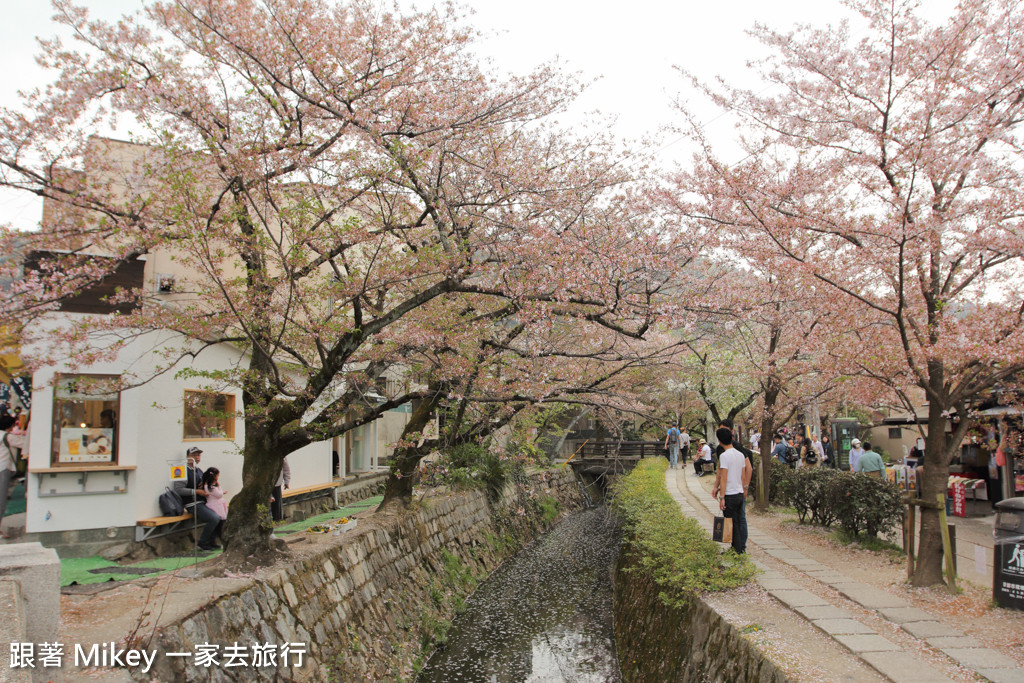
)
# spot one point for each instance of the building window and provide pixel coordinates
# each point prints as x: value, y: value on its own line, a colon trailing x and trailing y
x: 895, y: 433
x: 209, y: 415
x: 85, y: 411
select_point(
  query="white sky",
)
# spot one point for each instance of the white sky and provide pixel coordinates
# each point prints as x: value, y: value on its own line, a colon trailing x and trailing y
x: 631, y: 47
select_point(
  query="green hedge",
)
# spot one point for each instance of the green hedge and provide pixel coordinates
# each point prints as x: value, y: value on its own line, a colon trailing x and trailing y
x: 680, y: 555
x: 822, y: 495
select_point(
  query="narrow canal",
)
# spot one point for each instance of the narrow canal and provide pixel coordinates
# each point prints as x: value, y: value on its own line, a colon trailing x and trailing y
x: 545, y: 615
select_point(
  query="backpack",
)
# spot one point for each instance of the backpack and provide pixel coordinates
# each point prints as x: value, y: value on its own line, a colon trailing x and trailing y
x: 811, y: 457
x: 673, y: 436
x: 171, y: 504
x: 792, y: 454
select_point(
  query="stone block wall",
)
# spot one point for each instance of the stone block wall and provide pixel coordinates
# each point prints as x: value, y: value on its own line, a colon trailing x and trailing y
x: 368, y: 605
x: 690, y: 644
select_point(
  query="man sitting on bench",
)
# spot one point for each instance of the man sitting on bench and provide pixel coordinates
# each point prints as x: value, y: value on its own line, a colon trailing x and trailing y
x: 192, y: 493
x: 703, y: 457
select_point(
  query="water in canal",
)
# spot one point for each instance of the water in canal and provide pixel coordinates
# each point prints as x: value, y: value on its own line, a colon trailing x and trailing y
x: 544, y: 615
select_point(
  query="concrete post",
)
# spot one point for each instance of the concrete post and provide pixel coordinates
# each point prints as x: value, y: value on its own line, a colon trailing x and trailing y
x: 36, y: 570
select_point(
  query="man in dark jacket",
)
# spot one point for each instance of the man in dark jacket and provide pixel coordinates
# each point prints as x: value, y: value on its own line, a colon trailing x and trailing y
x: 194, y: 496
x: 828, y: 451
x: 727, y: 424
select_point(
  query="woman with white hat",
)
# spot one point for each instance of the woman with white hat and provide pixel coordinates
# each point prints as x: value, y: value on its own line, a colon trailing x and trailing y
x: 855, y: 452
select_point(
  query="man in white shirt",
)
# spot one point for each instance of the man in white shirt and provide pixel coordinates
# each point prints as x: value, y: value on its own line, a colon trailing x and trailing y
x: 734, y: 472
x: 703, y: 456
x: 755, y: 441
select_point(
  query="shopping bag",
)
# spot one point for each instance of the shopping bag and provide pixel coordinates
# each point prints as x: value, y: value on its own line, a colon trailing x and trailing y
x: 722, y: 530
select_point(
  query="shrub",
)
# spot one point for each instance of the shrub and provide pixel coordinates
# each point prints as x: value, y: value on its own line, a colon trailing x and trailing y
x: 678, y: 553
x: 471, y: 465
x: 809, y: 495
x: 863, y: 503
x: 781, y: 483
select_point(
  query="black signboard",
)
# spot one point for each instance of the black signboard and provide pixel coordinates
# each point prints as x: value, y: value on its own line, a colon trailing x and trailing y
x: 1008, y: 582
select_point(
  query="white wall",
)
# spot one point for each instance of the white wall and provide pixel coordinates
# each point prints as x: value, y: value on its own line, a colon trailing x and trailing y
x: 150, y: 434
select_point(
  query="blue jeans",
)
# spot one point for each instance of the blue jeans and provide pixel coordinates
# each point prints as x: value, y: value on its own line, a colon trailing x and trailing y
x: 735, y: 509
x: 210, y: 521
x: 673, y: 454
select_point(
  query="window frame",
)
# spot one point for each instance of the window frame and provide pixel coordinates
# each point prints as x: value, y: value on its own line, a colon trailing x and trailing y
x: 229, y: 421
x: 57, y: 434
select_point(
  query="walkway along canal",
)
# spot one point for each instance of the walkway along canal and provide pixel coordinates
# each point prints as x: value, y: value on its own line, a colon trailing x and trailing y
x: 544, y: 615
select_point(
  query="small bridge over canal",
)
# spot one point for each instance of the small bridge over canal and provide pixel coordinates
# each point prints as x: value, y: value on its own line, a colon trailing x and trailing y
x: 597, y: 458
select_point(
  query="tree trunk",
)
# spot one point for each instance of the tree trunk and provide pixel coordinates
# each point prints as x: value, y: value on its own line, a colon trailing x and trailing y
x: 407, y: 457
x: 765, y: 461
x: 928, y: 569
x: 245, y: 533
x: 771, y: 395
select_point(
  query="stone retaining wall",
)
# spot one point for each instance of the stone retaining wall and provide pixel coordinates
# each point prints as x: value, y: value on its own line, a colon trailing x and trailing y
x: 694, y: 643
x: 370, y: 605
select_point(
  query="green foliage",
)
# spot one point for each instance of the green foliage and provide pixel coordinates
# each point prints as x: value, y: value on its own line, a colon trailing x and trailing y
x: 548, y: 507
x: 680, y: 556
x: 266, y: 521
x: 809, y: 496
x: 781, y: 483
x: 865, y: 504
x: 472, y: 465
x: 456, y: 574
x: 843, y: 537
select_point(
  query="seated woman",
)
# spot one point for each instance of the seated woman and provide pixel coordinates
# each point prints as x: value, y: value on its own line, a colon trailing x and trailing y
x: 215, y: 498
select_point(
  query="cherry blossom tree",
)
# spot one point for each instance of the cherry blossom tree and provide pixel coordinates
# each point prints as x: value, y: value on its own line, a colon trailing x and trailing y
x: 885, y: 166
x: 341, y: 186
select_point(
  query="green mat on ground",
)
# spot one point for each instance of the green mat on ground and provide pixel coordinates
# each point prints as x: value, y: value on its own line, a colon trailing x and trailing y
x: 349, y: 509
x: 16, y: 501
x: 85, y: 570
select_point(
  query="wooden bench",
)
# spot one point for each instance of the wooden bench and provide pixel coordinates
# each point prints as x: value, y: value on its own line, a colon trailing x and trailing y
x: 314, y: 491
x: 153, y: 527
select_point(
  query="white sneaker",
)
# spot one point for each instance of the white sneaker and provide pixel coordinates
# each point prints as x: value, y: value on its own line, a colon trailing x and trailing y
x: 273, y: 535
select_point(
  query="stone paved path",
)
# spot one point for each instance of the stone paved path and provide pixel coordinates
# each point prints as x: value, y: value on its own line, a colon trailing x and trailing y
x: 888, y: 658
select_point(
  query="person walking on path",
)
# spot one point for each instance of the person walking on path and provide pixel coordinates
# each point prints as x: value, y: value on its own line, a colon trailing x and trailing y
x: 855, y: 454
x: 731, y: 484
x: 672, y: 445
x: 192, y: 492
x: 870, y: 463
x: 684, y: 445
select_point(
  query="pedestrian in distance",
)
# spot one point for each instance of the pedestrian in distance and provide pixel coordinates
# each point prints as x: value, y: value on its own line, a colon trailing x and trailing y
x: 684, y: 445
x: 828, y: 452
x: 855, y: 452
x: 284, y: 480
x: 672, y: 445
x: 870, y: 463
x: 779, y: 449
x: 731, y: 485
